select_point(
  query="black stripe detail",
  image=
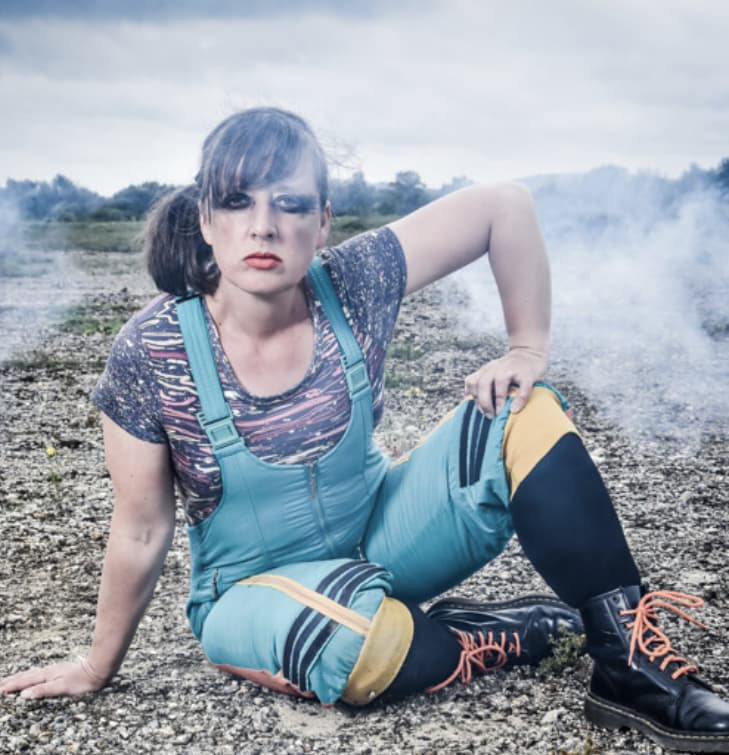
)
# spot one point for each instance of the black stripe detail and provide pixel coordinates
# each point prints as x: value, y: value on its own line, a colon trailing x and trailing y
x: 475, y: 433
x: 481, y: 450
x: 331, y: 625
x: 463, y: 449
x: 306, y: 612
x: 314, y: 648
x: 306, y: 622
x: 347, y: 586
x: 341, y: 586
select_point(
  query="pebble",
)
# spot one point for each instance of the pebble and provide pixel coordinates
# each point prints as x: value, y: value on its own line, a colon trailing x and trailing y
x: 697, y: 578
x: 551, y: 716
x: 166, y: 678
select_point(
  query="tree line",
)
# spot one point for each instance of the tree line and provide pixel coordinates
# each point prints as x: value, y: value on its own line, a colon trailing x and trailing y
x: 62, y: 200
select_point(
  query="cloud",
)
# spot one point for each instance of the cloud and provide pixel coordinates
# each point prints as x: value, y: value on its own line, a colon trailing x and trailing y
x: 443, y: 88
x: 156, y: 10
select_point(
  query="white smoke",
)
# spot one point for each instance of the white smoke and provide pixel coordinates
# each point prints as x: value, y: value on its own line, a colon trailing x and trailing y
x: 36, y: 286
x: 640, y: 270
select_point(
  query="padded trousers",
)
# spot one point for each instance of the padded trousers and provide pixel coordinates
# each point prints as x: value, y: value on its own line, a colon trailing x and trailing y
x: 335, y: 628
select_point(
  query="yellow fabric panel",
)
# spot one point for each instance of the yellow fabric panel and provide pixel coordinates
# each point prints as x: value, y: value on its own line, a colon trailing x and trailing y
x: 382, y: 655
x: 531, y: 433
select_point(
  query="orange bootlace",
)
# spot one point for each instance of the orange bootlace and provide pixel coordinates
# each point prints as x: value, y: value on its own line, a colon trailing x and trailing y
x: 483, y: 652
x: 650, y: 639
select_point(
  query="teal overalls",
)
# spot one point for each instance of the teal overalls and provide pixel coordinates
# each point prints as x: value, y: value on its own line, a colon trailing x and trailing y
x: 350, y: 527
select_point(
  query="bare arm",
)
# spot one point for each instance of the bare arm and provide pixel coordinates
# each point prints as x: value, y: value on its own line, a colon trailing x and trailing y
x: 457, y: 229
x: 141, y: 531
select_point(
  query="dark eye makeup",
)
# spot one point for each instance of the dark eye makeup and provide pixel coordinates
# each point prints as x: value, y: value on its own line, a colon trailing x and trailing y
x: 291, y: 203
x: 302, y: 203
x: 236, y: 201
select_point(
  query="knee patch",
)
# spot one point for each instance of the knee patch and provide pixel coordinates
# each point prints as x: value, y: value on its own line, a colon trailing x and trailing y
x: 383, y: 653
x: 323, y: 627
x: 531, y: 433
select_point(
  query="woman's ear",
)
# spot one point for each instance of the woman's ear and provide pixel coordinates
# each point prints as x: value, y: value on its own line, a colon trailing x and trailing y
x: 326, y: 223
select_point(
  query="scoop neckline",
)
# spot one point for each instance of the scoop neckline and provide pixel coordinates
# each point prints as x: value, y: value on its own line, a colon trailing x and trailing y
x: 313, y: 306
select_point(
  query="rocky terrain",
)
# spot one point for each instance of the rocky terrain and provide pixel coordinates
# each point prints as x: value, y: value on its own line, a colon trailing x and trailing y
x: 55, y: 503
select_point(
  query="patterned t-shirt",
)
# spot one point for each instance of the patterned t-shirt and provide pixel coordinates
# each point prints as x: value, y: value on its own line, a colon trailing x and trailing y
x: 147, y: 388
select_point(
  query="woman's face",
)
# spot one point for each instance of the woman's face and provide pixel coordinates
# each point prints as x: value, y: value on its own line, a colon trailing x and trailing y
x: 264, y: 238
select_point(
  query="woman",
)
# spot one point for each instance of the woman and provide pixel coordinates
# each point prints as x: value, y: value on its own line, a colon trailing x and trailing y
x: 255, y: 383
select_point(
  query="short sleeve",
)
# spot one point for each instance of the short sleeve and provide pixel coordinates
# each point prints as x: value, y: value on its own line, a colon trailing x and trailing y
x: 369, y: 274
x: 127, y: 392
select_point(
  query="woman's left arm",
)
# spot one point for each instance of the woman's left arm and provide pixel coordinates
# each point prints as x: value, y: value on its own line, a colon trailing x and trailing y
x: 455, y: 230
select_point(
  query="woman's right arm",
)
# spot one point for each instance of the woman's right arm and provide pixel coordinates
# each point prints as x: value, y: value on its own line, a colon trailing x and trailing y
x: 139, y: 537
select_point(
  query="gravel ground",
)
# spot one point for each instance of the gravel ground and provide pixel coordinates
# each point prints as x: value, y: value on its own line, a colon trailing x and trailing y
x: 55, y: 503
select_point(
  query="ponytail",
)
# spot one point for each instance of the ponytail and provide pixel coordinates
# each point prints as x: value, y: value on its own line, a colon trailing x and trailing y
x: 178, y: 258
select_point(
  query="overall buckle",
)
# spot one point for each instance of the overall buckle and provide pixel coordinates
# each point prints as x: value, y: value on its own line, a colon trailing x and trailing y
x: 358, y: 380
x: 221, y: 432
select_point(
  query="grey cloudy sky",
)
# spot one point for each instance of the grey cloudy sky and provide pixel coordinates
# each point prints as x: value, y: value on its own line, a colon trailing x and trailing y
x: 111, y: 95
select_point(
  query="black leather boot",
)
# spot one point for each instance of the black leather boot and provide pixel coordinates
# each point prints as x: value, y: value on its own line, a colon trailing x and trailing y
x: 504, y: 634
x: 639, y: 681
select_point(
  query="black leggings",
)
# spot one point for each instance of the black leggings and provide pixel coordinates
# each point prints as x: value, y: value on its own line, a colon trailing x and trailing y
x: 568, y: 529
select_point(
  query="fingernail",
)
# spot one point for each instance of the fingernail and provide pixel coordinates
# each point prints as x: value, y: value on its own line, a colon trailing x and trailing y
x: 26, y: 693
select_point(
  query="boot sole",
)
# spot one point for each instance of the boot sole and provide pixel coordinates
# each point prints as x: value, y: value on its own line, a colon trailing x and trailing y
x: 525, y: 600
x: 612, y: 716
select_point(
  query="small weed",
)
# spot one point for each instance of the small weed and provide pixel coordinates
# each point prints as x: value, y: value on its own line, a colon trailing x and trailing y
x: 404, y: 350
x: 90, y: 320
x: 346, y: 226
x: 87, y: 326
x: 588, y: 748
x: 33, y: 361
x: 395, y: 378
x: 39, y: 360
x: 54, y: 476
x: 566, y: 649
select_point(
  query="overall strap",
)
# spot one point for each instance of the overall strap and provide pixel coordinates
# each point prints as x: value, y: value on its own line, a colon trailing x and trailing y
x: 355, y: 369
x: 215, y: 418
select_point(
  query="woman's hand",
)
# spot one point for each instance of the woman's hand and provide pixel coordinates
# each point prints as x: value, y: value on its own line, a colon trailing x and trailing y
x: 518, y: 369
x: 67, y: 678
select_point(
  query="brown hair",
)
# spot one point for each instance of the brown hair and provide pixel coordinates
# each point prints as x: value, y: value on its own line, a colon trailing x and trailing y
x: 249, y: 149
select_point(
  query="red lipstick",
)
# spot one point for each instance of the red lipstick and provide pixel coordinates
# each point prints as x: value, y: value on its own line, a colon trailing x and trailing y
x: 262, y: 260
